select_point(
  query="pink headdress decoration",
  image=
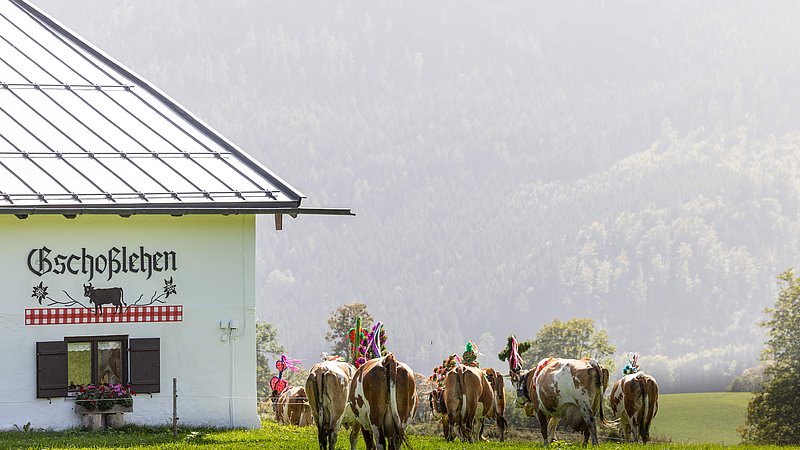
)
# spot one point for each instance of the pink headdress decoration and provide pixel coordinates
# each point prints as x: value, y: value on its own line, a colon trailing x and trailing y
x: 277, y: 383
x: 514, y: 360
x: 374, y: 340
x: 287, y: 363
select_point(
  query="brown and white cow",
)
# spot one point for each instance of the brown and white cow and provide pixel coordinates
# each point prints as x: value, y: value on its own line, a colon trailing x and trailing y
x: 383, y: 396
x: 569, y: 389
x: 469, y: 398
x: 498, y: 386
x: 292, y: 407
x: 438, y: 407
x: 327, y: 389
x: 439, y: 411
x: 634, y: 400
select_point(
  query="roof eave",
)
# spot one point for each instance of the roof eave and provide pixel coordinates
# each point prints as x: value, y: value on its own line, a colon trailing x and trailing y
x: 174, y: 210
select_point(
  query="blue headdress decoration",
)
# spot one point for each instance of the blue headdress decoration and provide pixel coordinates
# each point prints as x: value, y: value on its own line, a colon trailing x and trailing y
x: 633, y: 364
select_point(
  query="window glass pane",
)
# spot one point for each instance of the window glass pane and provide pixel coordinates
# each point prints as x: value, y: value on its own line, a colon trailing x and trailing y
x: 109, y: 362
x: 79, y: 363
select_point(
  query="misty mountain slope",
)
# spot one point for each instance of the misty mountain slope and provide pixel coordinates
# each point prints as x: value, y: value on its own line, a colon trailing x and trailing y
x: 509, y: 164
x: 685, y: 270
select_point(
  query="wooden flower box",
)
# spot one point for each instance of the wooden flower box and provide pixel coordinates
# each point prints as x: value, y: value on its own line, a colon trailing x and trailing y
x: 98, y: 420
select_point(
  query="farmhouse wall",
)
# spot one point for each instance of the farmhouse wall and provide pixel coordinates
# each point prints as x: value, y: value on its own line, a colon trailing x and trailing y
x: 213, y: 281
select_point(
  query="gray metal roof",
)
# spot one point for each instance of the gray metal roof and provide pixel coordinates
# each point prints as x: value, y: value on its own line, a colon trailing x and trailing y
x: 80, y: 133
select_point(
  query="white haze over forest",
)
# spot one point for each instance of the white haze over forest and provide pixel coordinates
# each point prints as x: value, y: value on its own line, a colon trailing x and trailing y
x: 509, y: 162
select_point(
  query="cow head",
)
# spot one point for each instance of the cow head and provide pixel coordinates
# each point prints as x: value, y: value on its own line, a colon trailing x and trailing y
x: 274, y: 399
x: 519, y: 379
x: 87, y: 291
x: 516, y: 375
x: 436, y: 401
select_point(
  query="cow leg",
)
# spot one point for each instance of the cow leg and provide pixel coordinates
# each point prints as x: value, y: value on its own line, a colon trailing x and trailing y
x: 543, y: 425
x: 635, y: 429
x: 552, y: 424
x: 322, y: 436
x: 451, y: 428
x: 333, y: 436
x: 354, y: 430
x: 469, y: 429
x: 585, y: 437
x: 380, y: 442
x: 446, y: 429
x: 501, y: 423
x: 394, y: 442
x: 623, y: 424
x: 591, y: 423
x: 369, y: 439
x: 480, y: 432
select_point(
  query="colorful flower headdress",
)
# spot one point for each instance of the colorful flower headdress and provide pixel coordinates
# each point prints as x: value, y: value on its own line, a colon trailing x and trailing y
x: 278, y: 383
x: 367, y: 345
x: 633, y: 364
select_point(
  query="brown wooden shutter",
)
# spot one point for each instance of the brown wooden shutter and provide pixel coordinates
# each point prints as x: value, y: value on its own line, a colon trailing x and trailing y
x: 51, y: 369
x: 145, y: 365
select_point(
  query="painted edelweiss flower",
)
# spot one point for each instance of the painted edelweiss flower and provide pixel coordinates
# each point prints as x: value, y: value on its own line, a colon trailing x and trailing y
x: 169, y: 287
x: 40, y: 292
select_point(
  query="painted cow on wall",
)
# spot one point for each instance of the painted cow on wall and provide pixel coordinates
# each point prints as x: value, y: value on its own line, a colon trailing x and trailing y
x: 634, y: 401
x: 104, y: 296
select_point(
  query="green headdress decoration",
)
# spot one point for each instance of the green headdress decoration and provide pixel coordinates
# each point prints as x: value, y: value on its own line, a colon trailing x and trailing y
x: 470, y: 356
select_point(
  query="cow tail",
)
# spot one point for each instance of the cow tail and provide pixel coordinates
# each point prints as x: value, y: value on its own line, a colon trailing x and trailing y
x: 499, y: 404
x: 319, y: 391
x: 598, y: 378
x: 650, y: 392
x: 390, y: 364
x: 462, y: 403
x: 642, y: 382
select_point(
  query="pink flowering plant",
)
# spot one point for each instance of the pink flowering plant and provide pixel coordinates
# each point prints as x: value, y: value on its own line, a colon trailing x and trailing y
x: 102, y: 397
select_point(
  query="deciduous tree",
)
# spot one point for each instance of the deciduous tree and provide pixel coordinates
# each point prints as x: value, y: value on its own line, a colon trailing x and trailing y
x: 340, y: 323
x: 773, y: 415
x: 575, y: 338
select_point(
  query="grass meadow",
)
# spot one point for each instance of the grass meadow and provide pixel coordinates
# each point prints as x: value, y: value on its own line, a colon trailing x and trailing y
x: 685, y: 421
x: 711, y: 417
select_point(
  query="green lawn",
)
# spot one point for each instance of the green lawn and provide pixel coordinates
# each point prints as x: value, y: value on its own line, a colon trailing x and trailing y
x: 271, y: 436
x: 692, y: 421
x: 707, y: 417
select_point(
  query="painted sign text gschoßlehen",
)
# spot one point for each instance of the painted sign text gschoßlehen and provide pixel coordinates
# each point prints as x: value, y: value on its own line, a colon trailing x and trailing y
x: 116, y: 260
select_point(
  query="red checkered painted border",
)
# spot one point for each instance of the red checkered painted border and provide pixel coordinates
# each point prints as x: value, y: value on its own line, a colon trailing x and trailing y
x: 75, y: 316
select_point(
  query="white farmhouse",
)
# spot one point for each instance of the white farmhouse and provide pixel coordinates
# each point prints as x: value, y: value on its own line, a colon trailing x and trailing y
x: 127, y: 239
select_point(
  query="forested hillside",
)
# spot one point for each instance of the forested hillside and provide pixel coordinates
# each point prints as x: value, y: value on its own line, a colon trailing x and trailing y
x: 508, y: 163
